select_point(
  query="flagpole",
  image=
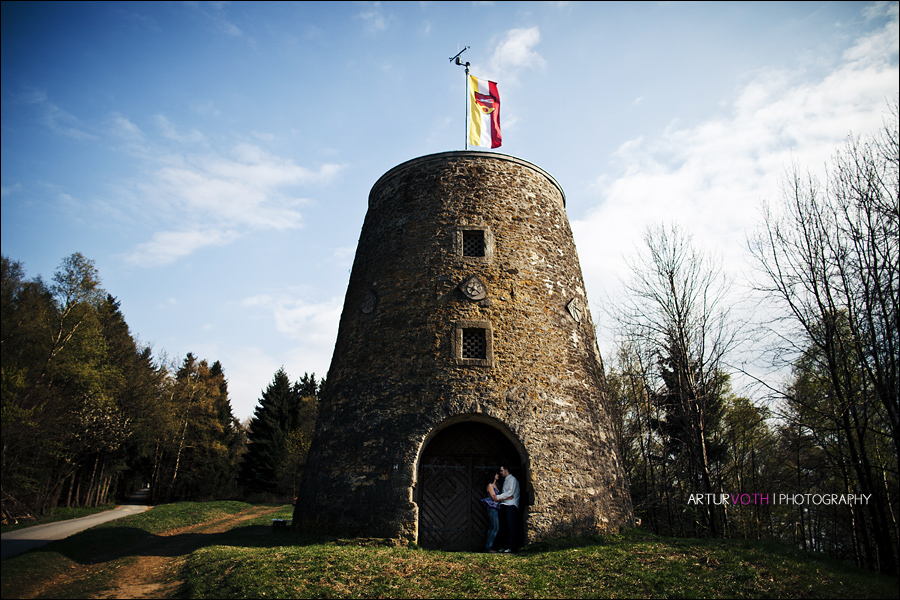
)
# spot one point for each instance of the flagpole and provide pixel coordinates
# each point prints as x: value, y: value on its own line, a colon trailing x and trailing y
x: 466, y: 128
x: 466, y: 65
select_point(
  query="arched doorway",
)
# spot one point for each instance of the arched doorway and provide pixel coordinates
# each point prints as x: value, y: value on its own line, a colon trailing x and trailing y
x: 454, y: 470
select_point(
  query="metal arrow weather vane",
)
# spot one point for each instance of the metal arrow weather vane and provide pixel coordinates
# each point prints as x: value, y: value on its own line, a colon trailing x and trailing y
x: 466, y: 65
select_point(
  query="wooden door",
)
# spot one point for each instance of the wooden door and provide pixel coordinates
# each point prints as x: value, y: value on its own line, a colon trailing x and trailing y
x: 453, y: 473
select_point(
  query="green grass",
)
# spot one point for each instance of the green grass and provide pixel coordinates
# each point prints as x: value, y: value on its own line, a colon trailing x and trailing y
x: 632, y: 565
x: 167, y: 517
x: 250, y: 561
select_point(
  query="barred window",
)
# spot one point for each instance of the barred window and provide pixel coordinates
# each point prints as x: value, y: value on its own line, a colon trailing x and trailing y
x: 474, y: 343
x: 473, y: 243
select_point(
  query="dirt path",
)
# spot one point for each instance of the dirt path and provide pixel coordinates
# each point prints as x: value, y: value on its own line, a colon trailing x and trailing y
x: 150, y: 569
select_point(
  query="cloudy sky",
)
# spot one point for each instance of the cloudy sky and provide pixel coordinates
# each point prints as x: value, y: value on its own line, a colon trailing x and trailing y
x: 214, y: 159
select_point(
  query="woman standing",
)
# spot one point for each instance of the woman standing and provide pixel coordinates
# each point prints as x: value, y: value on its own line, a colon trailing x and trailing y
x: 493, y: 515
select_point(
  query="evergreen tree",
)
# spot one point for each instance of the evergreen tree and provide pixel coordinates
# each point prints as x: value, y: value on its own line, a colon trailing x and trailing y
x: 279, y: 435
x: 136, y: 382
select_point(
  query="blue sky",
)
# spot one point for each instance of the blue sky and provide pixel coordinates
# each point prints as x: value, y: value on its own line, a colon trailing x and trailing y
x: 215, y: 159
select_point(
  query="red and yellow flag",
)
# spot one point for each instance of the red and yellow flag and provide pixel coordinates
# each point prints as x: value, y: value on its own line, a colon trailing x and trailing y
x: 484, y: 113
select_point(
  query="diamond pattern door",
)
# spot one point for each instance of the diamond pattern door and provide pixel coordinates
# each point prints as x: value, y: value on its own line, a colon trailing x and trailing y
x: 445, y: 491
x: 453, y: 474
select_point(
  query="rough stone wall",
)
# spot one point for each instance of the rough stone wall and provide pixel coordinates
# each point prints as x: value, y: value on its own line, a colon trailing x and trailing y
x: 396, y: 374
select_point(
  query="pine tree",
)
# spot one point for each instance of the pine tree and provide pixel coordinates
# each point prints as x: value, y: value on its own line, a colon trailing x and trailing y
x: 279, y: 435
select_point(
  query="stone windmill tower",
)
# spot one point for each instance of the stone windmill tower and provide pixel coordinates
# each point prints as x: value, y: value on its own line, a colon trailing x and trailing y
x: 465, y: 340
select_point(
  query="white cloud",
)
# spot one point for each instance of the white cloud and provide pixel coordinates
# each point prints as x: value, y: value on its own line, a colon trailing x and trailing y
x: 169, y: 131
x: 514, y: 53
x: 204, y: 108
x: 215, y: 12
x: 314, y: 323
x: 712, y: 176
x: 881, y: 8
x: 264, y: 136
x: 56, y: 119
x: 343, y: 255
x: 374, y: 18
x: 8, y: 190
x: 168, y: 246
x: 250, y: 369
x: 309, y: 359
x: 250, y: 190
x: 125, y: 129
x: 311, y: 326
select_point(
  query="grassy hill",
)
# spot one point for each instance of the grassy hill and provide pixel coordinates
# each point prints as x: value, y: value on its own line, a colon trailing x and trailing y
x: 228, y: 550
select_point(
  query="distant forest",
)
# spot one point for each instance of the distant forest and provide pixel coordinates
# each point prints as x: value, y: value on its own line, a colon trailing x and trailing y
x: 89, y: 415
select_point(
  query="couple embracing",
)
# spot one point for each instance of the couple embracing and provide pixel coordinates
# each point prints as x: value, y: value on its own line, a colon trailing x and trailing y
x: 503, y: 505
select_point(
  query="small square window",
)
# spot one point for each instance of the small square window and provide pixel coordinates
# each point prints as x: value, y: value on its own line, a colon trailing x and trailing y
x: 473, y: 243
x: 473, y: 343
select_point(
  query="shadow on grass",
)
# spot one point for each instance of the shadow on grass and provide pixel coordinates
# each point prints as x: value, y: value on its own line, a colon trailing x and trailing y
x: 97, y: 546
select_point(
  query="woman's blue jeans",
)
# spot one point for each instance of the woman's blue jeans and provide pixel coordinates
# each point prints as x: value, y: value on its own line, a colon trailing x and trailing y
x: 494, y: 516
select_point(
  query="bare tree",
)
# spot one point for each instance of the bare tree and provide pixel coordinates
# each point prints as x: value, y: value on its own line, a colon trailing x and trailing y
x: 675, y: 311
x: 830, y: 258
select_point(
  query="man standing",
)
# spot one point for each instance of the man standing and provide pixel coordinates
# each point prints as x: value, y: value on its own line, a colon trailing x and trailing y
x: 509, y: 509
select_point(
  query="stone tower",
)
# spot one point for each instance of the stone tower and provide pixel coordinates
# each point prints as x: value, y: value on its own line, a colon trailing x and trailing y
x: 465, y: 341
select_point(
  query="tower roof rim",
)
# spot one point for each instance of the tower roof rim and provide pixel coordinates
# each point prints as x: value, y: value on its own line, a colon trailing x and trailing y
x: 467, y: 154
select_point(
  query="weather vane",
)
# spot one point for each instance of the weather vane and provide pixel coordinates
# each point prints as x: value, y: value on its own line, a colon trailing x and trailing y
x: 459, y: 62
